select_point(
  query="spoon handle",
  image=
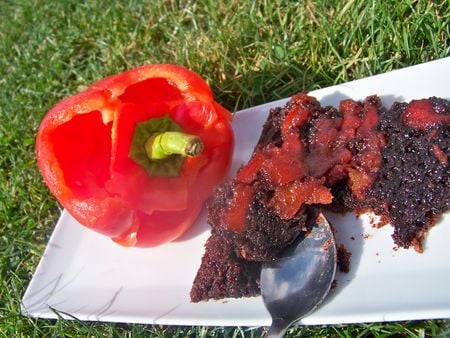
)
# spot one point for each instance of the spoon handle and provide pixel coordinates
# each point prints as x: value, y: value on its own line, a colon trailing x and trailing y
x: 278, y: 328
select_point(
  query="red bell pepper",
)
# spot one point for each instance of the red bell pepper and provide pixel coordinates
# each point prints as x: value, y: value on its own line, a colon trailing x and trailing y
x: 135, y: 155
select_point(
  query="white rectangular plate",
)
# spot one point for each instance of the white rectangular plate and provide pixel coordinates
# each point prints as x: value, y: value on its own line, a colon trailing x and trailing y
x: 86, y: 276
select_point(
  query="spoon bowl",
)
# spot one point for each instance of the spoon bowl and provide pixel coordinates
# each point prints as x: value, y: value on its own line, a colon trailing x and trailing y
x: 296, y: 283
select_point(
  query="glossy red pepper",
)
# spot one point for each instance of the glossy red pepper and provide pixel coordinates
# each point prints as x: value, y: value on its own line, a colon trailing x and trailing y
x: 91, y: 149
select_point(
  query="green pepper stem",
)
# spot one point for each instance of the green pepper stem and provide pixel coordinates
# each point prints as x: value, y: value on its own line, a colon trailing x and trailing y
x: 169, y: 143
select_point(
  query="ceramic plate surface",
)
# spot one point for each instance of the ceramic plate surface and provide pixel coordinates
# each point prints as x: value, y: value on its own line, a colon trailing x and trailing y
x: 86, y: 276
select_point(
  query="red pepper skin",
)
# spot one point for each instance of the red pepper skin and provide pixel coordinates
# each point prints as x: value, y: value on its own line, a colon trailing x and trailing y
x: 82, y: 148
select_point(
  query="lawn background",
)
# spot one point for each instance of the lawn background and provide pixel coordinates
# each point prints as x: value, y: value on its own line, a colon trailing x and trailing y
x: 249, y: 52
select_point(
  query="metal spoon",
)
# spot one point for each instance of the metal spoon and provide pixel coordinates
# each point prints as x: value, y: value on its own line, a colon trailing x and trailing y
x: 295, y: 284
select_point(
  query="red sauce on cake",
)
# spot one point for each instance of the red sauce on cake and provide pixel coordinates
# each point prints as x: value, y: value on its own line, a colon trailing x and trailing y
x: 300, y: 171
x: 420, y: 115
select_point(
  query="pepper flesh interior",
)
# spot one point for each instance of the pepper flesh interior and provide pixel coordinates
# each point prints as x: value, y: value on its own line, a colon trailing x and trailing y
x: 150, y: 91
x: 83, y: 145
x: 82, y: 148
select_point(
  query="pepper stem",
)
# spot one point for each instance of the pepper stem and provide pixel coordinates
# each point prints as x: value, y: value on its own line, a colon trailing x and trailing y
x: 168, y: 143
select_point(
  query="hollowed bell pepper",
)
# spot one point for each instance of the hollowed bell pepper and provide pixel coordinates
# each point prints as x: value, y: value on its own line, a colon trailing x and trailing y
x: 135, y: 155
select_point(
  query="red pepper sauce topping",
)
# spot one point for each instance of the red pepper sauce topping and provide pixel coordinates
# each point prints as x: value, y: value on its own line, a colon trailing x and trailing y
x: 440, y: 155
x: 319, y: 147
x: 237, y: 211
x: 420, y: 115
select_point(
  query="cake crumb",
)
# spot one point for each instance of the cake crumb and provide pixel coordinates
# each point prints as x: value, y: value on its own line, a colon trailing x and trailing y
x: 343, y: 258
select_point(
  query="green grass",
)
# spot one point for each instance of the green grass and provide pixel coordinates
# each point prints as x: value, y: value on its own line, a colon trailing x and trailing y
x: 250, y: 53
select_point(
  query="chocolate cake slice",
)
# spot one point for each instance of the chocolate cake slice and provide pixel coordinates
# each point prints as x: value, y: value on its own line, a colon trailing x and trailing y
x: 245, y: 231
x: 411, y: 189
x: 360, y: 157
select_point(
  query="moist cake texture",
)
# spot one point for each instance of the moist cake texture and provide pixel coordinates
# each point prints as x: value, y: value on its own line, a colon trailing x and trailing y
x: 359, y: 157
x: 411, y: 190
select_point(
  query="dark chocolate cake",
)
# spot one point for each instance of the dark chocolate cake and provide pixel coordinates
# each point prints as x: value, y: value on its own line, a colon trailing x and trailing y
x: 361, y: 157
